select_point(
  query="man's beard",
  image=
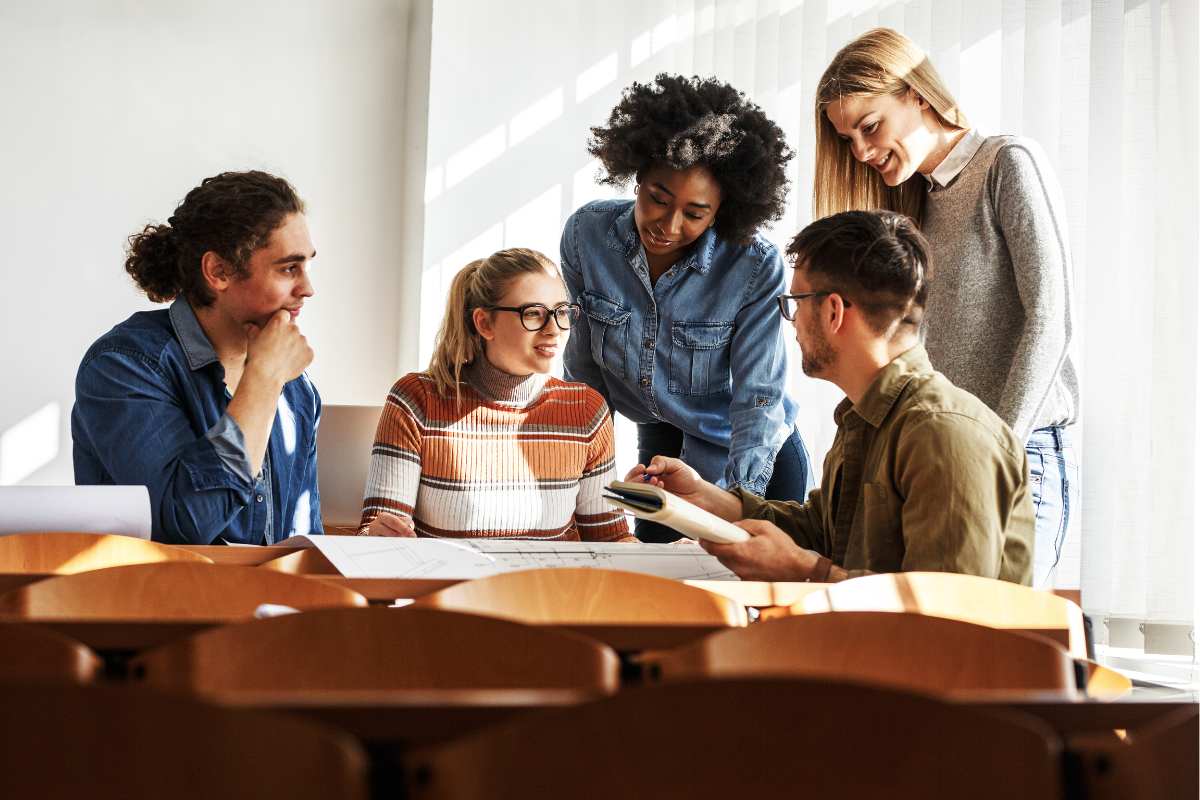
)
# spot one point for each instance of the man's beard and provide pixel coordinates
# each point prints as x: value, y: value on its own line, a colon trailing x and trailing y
x: 818, y: 355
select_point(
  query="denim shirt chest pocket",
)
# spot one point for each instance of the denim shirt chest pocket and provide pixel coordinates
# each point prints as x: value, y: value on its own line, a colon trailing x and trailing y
x: 700, y: 357
x: 608, y: 323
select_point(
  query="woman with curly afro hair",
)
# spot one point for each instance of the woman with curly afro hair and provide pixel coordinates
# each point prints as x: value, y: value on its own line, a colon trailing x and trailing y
x: 680, y: 332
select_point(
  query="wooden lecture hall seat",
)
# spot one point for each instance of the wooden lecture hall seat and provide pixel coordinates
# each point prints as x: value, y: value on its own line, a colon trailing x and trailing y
x: 749, y: 738
x: 171, y: 591
x: 983, y: 601
x: 907, y: 651
x: 577, y: 595
x: 381, y: 648
x: 32, y: 655
x: 65, y: 553
x: 1158, y: 761
x: 119, y: 742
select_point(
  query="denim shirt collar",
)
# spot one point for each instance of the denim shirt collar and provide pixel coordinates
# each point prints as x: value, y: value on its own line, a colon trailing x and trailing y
x: 878, y: 400
x: 623, y: 237
x: 191, y: 336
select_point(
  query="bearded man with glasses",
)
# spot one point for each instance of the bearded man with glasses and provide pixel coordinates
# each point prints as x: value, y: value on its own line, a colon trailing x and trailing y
x: 922, y: 476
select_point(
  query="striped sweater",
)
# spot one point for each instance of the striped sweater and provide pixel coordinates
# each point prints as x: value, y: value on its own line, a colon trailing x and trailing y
x: 522, y: 457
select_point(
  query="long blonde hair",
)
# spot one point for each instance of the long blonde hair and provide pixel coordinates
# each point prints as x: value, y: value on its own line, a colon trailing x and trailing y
x: 881, y: 61
x: 477, y: 285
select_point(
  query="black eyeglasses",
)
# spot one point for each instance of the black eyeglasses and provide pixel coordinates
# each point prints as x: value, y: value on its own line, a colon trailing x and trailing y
x: 535, y: 316
x: 788, y: 303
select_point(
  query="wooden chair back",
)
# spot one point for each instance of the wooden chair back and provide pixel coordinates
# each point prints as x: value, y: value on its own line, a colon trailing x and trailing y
x: 970, y: 598
x: 65, y: 553
x: 172, y: 591
x: 122, y: 742
x: 309, y: 561
x: 576, y: 595
x: 1158, y: 761
x: 36, y: 655
x: 381, y: 648
x: 749, y: 738
x: 1104, y: 683
x: 908, y: 651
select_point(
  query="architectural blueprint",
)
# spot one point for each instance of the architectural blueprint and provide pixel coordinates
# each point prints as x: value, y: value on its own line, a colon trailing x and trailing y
x: 380, y: 557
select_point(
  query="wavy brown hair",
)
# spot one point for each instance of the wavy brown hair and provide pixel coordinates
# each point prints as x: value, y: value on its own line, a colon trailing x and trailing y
x: 231, y: 214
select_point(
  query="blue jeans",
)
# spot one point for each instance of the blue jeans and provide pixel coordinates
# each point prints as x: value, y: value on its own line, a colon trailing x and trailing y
x: 791, y: 478
x: 1054, y: 486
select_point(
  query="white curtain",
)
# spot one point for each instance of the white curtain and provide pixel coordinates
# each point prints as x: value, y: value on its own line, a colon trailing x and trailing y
x: 1109, y: 88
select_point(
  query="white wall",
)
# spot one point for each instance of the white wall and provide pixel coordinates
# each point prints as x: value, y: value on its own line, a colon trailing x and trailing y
x: 514, y: 89
x: 111, y: 111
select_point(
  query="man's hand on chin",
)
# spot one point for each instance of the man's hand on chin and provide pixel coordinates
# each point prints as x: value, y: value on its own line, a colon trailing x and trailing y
x: 769, y: 554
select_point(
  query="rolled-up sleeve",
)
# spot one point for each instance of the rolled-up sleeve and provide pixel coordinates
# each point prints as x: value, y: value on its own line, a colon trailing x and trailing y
x: 128, y: 418
x: 801, y: 521
x: 230, y: 443
x: 758, y: 361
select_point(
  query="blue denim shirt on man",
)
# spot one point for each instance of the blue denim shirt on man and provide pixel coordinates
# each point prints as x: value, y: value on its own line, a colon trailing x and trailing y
x: 150, y: 402
x: 702, y: 349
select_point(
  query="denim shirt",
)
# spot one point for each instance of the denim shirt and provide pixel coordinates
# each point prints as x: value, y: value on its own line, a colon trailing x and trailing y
x: 150, y: 402
x: 702, y: 349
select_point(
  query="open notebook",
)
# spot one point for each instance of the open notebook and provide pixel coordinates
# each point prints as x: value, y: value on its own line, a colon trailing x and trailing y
x: 658, y: 505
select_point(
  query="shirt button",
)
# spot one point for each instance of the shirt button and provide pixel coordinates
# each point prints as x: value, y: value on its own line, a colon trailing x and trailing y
x: 648, y: 344
x: 259, y: 498
x: 644, y: 381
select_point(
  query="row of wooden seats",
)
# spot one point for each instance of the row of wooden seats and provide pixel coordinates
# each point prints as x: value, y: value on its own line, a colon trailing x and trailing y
x: 752, y: 737
x: 420, y: 647
x: 960, y: 597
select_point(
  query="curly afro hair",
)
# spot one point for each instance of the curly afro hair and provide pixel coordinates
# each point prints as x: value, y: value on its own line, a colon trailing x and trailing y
x: 683, y: 122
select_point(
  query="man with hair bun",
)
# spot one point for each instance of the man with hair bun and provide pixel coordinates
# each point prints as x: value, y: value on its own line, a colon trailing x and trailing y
x: 206, y: 403
x: 922, y: 475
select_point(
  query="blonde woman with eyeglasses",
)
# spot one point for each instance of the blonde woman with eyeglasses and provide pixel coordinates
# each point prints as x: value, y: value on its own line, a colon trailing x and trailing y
x: 485, y: 443
x: 998, y: 323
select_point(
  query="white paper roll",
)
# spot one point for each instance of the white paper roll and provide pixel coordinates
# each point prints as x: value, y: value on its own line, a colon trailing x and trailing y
x: 123, y: 510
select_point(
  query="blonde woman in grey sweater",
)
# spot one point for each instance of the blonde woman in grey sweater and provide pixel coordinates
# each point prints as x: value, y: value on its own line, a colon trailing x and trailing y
x: 998, y: 321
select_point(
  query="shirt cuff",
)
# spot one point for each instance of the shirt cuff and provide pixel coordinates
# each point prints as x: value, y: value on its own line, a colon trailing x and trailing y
x: 230, y: 443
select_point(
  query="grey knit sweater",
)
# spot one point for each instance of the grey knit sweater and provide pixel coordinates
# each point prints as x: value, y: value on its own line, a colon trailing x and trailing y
x: 998, y: 318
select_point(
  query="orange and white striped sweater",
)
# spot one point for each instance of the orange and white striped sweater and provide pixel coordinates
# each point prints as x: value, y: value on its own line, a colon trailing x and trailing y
x: 522, y: 457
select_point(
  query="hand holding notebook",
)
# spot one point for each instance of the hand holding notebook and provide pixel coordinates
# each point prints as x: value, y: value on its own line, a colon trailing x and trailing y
x: 658, y: 505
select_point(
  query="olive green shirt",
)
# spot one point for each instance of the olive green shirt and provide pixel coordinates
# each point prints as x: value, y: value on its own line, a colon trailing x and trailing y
x: 922, y: 476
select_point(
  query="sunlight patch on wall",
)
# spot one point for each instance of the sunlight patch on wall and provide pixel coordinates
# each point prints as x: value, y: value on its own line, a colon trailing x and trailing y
x: 664, y: 34
x: 639, y: 51
x: 475, y: 156
x: 596, y: 77
x: 585, y: 188
x: 535, y: 117
x: 434, y: 178
x: 29, y: 445
x: 978, y: 74
x: 536, y: 224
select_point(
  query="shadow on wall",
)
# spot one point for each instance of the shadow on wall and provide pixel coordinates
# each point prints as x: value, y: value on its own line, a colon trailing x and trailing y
x: 29, y: 445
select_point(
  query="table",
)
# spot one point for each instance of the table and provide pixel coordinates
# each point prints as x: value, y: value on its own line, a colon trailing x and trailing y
x: 406, y: 717
x: 412, y: 717
x: 128, y: 636
x: 1073, y: 712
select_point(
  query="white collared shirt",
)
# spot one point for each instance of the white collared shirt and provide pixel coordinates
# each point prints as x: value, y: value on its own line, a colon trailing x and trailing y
x: 958, y: 158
